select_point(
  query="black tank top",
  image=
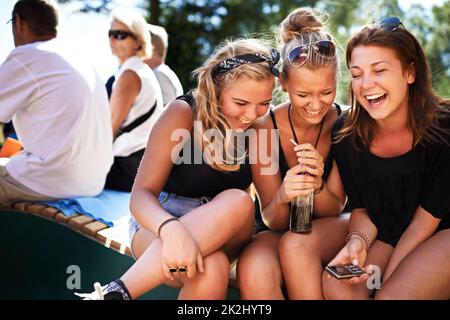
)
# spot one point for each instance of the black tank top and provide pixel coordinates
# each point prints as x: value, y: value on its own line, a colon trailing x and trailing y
x: 282, y: 159
x: 283, y: 165
x: 198, y: 180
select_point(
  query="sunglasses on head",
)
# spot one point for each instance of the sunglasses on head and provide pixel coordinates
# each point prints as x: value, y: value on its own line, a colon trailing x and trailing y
x: 120, y: 34
x: 389, y: 24
x: 299, y: 55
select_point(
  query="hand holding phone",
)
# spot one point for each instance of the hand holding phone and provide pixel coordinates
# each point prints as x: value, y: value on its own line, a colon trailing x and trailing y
x: 345, y: 271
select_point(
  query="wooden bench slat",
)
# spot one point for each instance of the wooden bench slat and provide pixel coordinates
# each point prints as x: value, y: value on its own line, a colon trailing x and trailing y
x: 93, y: 228
x: 60, y: 217
x: 21, y: 206
x: 115, y: 237
x: 79, y: 221
x: 50, y: 212
x: 36, y: 208
x: 6, y: 206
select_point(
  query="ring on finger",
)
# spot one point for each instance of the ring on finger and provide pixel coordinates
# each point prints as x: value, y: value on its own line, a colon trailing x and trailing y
x: 182, y: 269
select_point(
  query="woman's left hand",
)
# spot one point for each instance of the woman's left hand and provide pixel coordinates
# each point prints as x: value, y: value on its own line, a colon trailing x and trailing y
x: 309, y: 156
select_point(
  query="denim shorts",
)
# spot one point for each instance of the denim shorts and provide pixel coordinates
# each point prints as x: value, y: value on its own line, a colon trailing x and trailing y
x: 174, y: 204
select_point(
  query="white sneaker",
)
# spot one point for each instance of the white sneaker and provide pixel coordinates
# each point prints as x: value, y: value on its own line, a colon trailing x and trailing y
x: 96, y: 295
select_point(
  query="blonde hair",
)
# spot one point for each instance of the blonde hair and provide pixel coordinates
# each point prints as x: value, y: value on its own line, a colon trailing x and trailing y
x: 304, y: 26
x: 210, y: 87
x: 138, y: 27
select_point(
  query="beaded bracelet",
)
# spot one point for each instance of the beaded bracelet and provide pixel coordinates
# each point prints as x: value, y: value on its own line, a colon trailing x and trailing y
x: 164, y: 223
x: 362, y: 235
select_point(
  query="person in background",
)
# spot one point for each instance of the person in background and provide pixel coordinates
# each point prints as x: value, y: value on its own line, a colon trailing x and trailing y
x: 170, y: 84
x: 136, y: 99
x: 393, y: 155
x: 59, y: 109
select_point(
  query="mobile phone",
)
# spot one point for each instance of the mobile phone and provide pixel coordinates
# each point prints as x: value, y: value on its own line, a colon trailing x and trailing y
x: 345, y: 271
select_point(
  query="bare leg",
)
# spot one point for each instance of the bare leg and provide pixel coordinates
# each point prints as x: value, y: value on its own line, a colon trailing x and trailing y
x: 141, y: 241
x: 334, y: 289
x: 228, y: 216
x: 210, y: 285
x: 423, y: 274
x: 303, y: 255
x: 258, y: 270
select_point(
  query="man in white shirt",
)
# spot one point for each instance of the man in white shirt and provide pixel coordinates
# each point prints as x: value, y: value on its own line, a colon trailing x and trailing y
x: 59, y: 109
x: 170, y: 84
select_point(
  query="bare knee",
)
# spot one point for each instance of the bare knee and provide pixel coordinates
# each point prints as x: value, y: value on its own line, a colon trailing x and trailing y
x: 257, y: 273
x: 331, y: 287
x: 249, y: 270
x: 296, y: 246
x: 385, y: 295
x: 212, y: 283
x: 217, y: 269
x: 442, y: 240
x: 240, y: 200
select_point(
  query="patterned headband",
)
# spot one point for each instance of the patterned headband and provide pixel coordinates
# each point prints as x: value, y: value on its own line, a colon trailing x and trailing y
x: 234, y: 62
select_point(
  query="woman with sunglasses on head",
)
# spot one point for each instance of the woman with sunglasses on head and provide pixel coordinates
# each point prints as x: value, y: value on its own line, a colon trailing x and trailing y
x: 393, y: 155
x: 191, y: 212
x: 277, y: 258
x: 136, y: 98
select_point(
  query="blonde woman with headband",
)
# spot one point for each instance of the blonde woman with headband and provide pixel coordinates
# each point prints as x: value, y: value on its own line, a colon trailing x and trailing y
x: 277, y: 258
x: 136, y: 99
x: 192, y: 215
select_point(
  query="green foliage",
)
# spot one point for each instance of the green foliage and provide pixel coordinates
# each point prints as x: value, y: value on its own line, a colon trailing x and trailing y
x: 438, y: 50
x: 197, y: 26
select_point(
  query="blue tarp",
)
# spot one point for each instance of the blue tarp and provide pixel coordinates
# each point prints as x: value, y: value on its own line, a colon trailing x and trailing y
x: 110, y: 207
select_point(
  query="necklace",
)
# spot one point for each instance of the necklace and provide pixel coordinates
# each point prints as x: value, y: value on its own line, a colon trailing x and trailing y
x: 293, y: 131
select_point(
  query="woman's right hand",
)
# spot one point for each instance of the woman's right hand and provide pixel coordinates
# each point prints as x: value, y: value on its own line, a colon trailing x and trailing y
x: 179, y: 249
x: 354, y: 252
x: 296, y: 184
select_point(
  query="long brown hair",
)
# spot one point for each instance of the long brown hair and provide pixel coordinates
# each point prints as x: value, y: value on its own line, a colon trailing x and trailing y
x: 426, y: 108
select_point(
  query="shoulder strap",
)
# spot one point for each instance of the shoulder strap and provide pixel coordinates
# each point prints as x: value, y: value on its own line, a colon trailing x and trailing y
x: 189, y: 98
x: 137, y: 122
x: 272, y: 115
x: 338, y: 108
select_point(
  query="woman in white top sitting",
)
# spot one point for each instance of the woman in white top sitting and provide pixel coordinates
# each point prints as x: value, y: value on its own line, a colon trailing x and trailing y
x: 136, y: 98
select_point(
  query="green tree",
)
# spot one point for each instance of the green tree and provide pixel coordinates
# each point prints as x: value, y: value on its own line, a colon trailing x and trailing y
x: 197, y: 26
x: 438, y: 50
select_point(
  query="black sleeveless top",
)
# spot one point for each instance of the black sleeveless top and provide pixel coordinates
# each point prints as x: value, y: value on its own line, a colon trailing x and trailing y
x: 199, y: 179
x: 283, y: 165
